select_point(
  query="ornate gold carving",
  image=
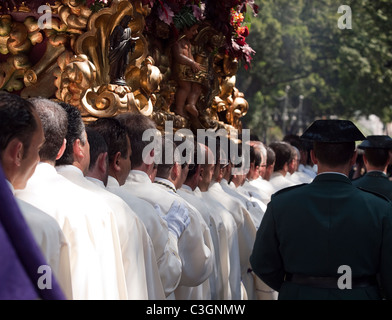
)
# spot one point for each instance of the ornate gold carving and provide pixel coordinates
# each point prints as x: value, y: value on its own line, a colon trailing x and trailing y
x: 237, y: 109
x: 73, y: 65
x: 12, y: 72
x: 108, y: 100
x: 74, y: 15
x: 74, y: 78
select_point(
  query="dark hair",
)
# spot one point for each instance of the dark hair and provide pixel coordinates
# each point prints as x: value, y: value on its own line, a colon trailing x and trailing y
x: 295, y: 141
x: 270, y: 156
x: 293, y: 153
x: 114, y: 134
x: 377, y: 157
x: 282, y: 154
x: 97, y: 145
x: 334, y: 154
x: 136, y: 124
x: 193, y: 167
x: 75, y: 131
x: 54, y: 123
x: 16, y: 121
x: 163, y: 168
x: 255, y: 156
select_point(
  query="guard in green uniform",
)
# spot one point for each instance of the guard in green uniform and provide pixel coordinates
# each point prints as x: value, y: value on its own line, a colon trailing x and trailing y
x: 376, y: 158
x: 327, y: 239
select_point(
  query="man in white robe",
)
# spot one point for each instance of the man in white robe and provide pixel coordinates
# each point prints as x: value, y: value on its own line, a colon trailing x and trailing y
x: 254, y: 207
x: 19, y: 158
x: 283, y: 156
x: 88, y: 231
x: 164, y: 239
x: 193, y: 243
x: 196, y: 257
x: 202, y: 291
x: 141, y: 271
x: 216, y: 229
x: 228, y: 280
x: 253, y: 186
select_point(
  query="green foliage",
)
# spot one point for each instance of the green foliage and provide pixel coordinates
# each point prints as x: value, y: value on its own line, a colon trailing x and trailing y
x: 338, y: 72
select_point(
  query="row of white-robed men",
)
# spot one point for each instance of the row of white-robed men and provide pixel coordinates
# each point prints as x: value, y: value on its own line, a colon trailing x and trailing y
x: 140, y: 233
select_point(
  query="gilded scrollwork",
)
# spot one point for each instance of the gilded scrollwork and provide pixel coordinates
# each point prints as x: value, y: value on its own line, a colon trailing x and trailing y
x: 69, y: 62
x: 74, y: 15
x: 74, y: 77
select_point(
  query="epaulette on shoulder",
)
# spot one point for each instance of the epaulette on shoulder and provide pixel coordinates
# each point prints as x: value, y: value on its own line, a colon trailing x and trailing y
x: 288, y: 189
x: 375, y: 193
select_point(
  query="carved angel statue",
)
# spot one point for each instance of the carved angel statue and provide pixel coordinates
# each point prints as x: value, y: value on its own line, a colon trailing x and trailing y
x: 185, y: 67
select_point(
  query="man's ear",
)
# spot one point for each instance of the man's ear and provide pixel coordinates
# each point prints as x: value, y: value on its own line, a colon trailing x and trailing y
x: 197, y: 175
x: 176, y: 170
x: 201, y: 171
x: 116, y: 162
x: 62, y: 149
x: 102, y: 162
x: 77, y: 148
x: 313, y: 157
x: 14, y: 152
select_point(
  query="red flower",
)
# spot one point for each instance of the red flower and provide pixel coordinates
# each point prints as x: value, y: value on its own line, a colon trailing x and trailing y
x: 241, y: 40
x: 243, y: 31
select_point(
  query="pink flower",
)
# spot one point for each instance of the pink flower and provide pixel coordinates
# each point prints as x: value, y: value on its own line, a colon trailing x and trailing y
x: 198, y: 12
x: 166, y: 14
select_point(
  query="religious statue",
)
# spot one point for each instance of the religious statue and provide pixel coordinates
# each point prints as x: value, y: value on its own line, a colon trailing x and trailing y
x: 186, y: 70
x: 121, y: 43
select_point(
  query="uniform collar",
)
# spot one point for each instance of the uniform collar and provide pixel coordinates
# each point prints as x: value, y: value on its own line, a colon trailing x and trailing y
x: 332, y: 176
x: 377, y: 173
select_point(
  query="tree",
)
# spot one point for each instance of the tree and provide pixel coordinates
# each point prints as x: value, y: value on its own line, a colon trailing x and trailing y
x: 338, y: 72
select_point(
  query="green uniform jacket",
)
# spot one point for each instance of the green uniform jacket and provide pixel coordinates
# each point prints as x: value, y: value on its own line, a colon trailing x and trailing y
x: 375, y: 181
x: 315, y: 228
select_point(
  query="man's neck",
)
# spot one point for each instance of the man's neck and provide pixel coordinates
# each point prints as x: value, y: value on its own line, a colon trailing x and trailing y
x: 374, y: 168
x: 325, y: 169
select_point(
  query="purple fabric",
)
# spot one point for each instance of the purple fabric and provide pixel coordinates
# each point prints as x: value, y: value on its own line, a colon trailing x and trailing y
x: 20, y: 256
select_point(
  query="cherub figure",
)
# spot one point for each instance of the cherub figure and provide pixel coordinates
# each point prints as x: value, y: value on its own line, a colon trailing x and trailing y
x: 121, y: 43
x: 185, y: 68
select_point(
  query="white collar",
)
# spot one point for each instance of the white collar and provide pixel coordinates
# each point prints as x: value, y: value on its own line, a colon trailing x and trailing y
x: 112, y: 182
x: 167, y: 183
x: 138, y: 176
x: 69, y: 168
x: 96, y: 181
x: 186, y: 188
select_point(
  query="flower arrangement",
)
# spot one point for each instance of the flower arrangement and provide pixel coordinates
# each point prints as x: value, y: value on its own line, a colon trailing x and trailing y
x: 226, y: 16
x: 231, y: 17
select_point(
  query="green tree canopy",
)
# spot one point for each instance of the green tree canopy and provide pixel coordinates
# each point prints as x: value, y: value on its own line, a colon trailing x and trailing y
x: 302, y: 53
